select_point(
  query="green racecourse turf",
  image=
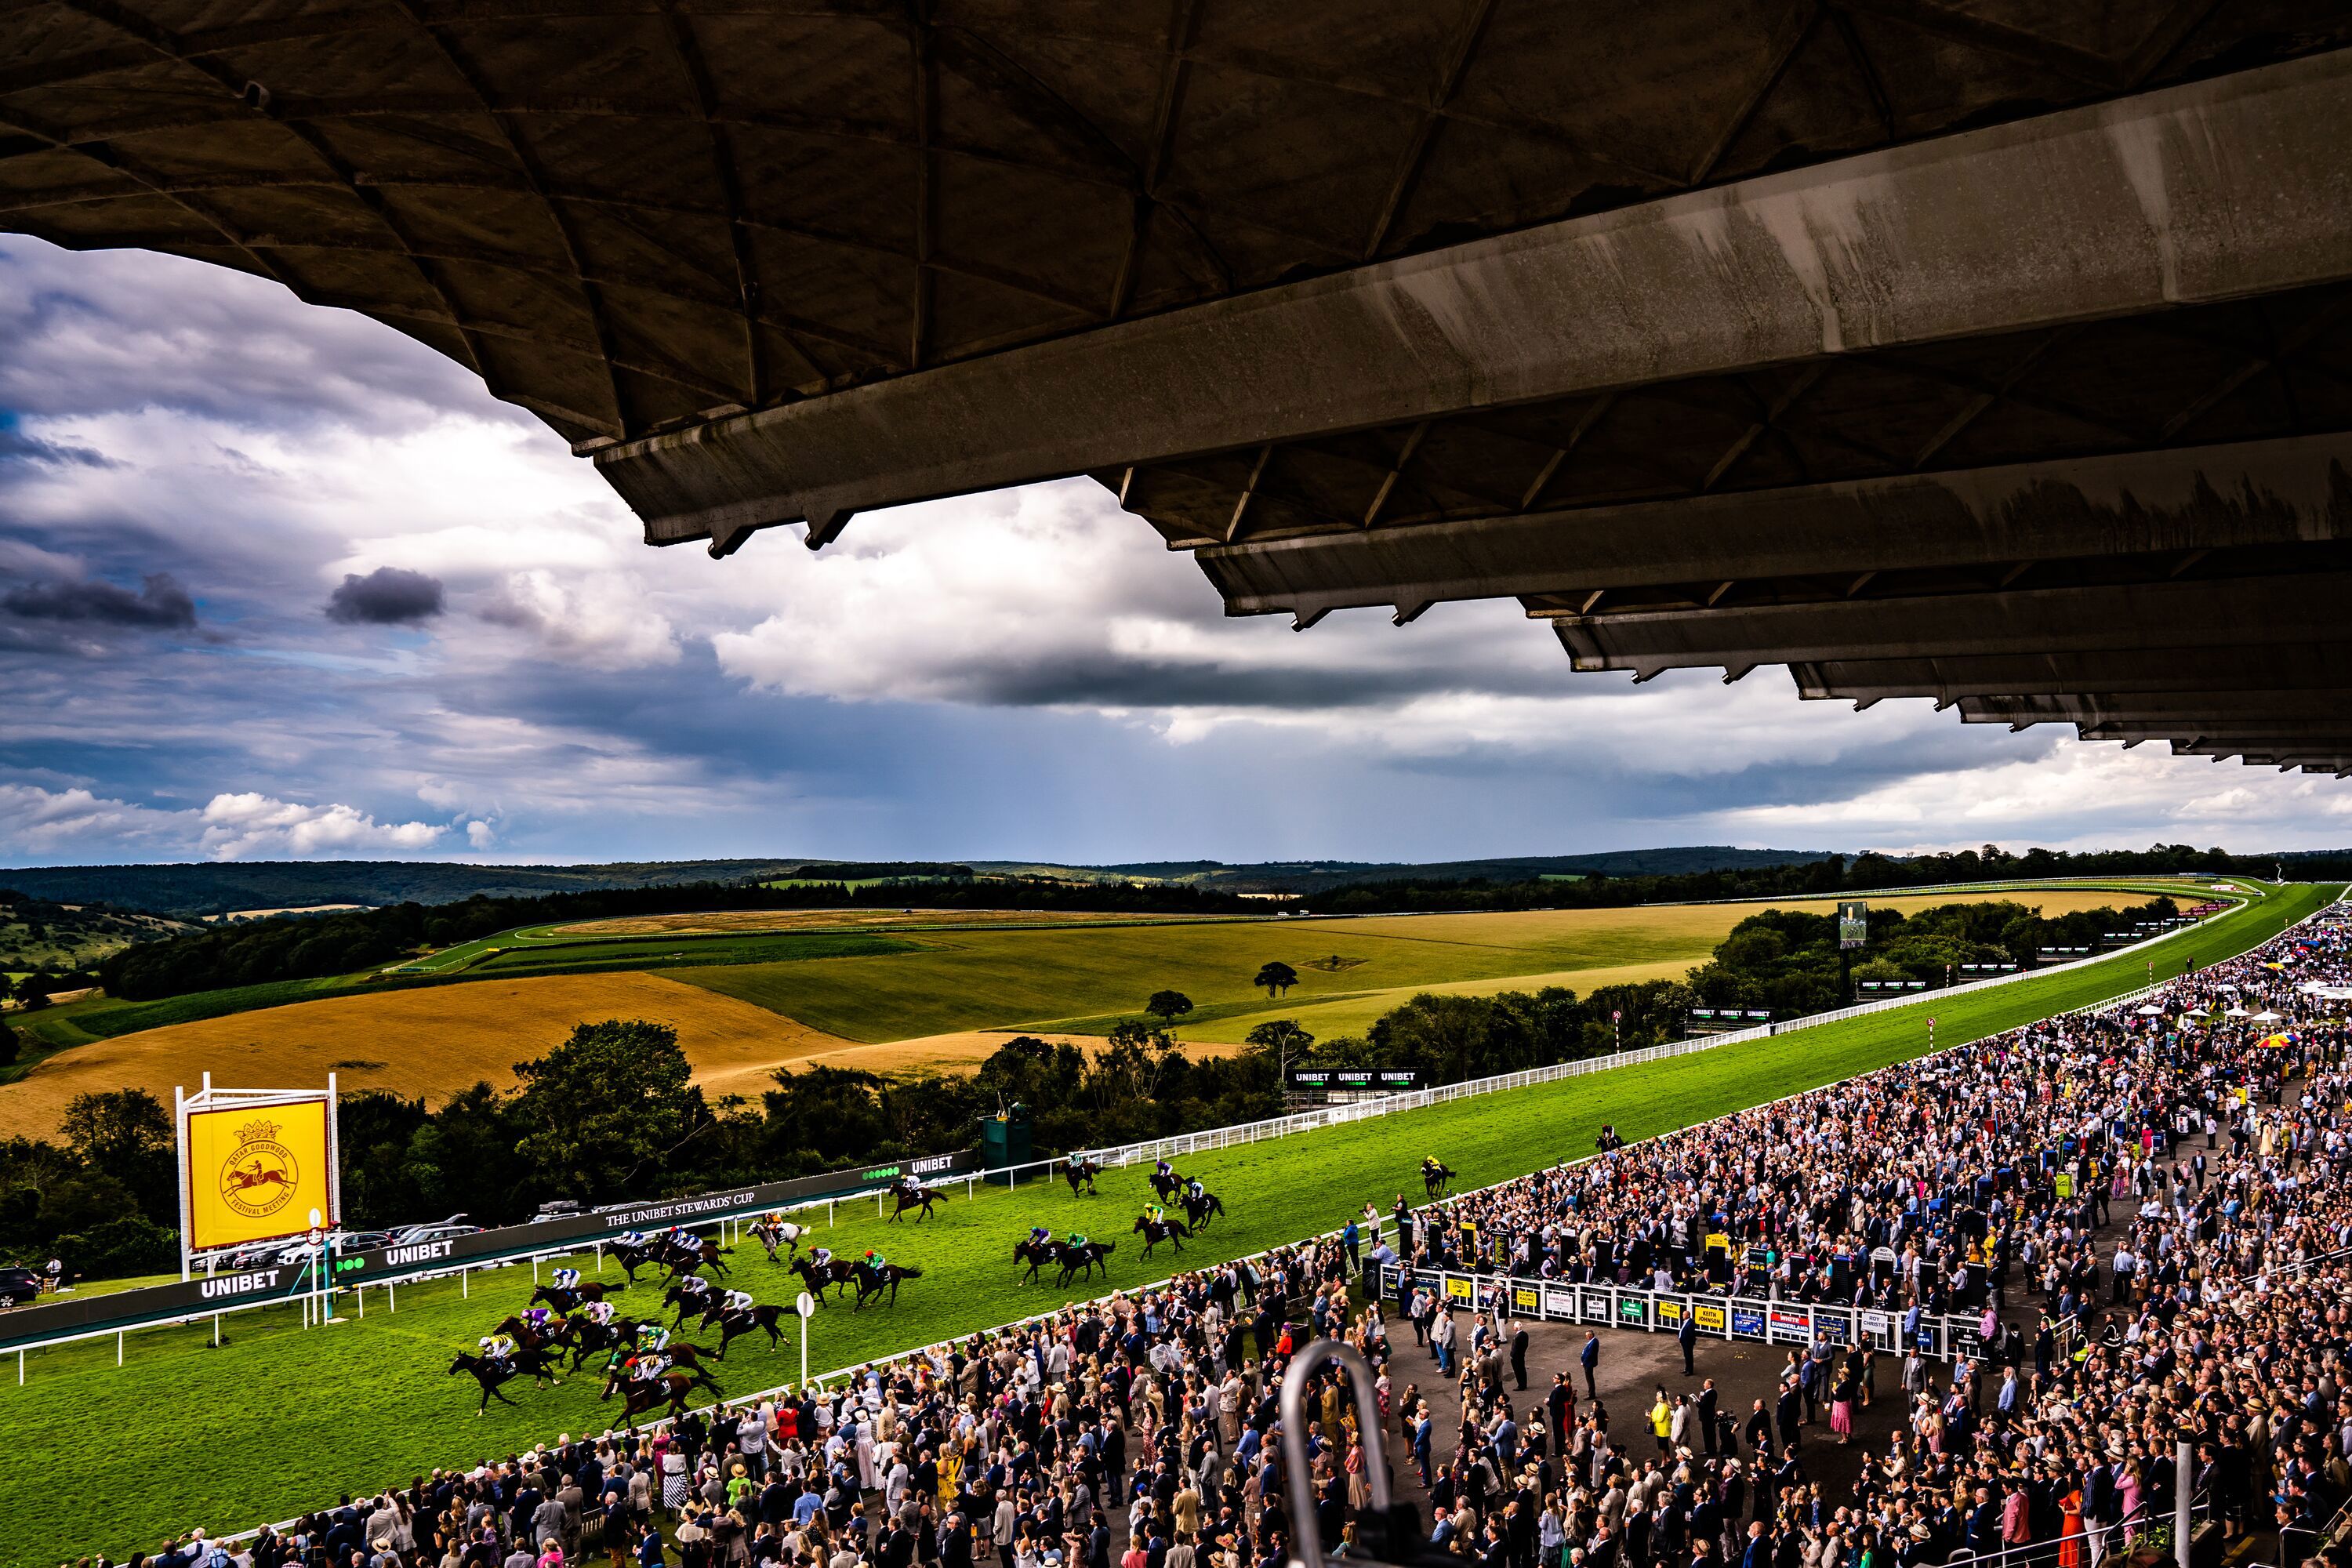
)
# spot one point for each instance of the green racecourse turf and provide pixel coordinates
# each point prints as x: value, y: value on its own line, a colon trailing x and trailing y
x: 279, y: 1420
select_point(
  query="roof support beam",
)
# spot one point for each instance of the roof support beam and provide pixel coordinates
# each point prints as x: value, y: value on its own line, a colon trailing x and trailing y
x: 2219, y: 189
x: 2142, y: 503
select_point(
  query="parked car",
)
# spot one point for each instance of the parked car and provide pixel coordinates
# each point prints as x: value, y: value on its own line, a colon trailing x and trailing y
x: 20, y: 1286
x: 438, y: 1230
x: 559, y: 1208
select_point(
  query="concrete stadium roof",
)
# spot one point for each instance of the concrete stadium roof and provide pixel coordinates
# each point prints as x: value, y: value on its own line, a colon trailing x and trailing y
x: 1929, y: 346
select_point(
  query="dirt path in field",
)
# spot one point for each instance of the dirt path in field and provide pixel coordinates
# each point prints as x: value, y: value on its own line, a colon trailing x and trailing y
x: 930, y: 1053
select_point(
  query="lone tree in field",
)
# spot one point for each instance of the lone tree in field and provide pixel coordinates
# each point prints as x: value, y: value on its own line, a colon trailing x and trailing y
x: 1283, y: 1040
x: 1168, y: 1005
x: 1276, y: 977
x: 606, y: 1106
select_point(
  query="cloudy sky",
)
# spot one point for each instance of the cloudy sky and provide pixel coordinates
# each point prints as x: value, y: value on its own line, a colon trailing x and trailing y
x: 277, y: 580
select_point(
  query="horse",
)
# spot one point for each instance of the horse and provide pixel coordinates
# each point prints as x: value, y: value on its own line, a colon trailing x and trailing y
x: 1036, y: 1254
x: 490, y: 1375
x: 683, y: 1260
x: 567, y: 1300
x: 641, y: 1396
x: 734, y: 1325
x: 585, y: 1337
x: 1092, y: 1255
x: 689, y: 1302
x: 633, y: 1257
x: 528, y: 1338
x: 1155, y: 1231
x: 1081, y: 1172
x: 821, y: 1278
x: 1434, y: 1175
x: 1167, y: 1184
x: 914, y: 1197
x: 872, y: 1283
x: 1197, y: 1211
x: 772, y: 1234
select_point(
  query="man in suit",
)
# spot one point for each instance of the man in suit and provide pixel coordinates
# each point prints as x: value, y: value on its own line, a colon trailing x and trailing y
x: 1707, y: 1396
x: 1791, y: 1415
x: 1687, y: 1337
x: 1590, y: 1359
x: 1560, y: 1406
x: 1519, y: 1357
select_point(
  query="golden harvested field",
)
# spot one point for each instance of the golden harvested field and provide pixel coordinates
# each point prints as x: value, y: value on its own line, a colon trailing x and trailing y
x: 728, y: 923
x: 431, y: 1041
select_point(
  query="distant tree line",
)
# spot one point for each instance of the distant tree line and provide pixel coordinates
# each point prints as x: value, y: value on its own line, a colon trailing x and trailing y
x: 309, y: 946
x: 1813, y: 879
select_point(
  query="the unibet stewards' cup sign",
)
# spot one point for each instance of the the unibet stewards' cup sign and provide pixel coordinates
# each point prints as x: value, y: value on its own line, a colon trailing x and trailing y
x: 256, y: 1172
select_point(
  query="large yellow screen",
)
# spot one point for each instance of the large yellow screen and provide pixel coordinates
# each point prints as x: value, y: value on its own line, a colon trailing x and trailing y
x: 255, y: 1173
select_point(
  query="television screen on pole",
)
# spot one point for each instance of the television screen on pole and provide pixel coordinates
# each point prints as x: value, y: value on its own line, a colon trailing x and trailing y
x: 1853, y: 924
x: 1353, y: 1080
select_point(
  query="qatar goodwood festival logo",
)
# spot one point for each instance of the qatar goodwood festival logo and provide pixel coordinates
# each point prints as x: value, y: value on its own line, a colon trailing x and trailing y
x: 259, y: 1175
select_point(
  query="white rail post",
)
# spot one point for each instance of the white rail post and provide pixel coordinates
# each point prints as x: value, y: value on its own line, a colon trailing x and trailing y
x: 2183, y: 1475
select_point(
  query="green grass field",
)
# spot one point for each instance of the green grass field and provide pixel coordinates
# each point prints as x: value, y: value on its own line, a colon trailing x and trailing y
x: 279, y: 1420
x: 1085, y: 981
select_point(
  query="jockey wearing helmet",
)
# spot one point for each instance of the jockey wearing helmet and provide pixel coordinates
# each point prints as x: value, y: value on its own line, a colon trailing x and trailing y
x: 694, y: 1285
x: 537, y: 1317
x: 601, y: 1313
x: 873, y: 1262
x: 567, y: 1278
x: 1077, y: 1239
x: 1039, y: 1234
x: 1155, y: 1214
x: 1196, y: 1190
x: 738, y: 1301
x: 1164, y: 1169
x: 498, y: 1349
x: 653, y: 1337
x: 821, y: 1256
x: 644, y: 1366
x: 630, y: 1238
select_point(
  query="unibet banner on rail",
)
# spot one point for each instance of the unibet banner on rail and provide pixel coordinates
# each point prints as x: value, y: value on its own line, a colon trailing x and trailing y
x: 255, y: 1173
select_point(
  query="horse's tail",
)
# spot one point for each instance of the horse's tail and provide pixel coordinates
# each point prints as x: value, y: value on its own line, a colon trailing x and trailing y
x: 910, y: 1274
x: 618, y: 1285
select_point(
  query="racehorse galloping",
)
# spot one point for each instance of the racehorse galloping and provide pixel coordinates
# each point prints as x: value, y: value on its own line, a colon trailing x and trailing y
x: 1434, y: 1175
x: 528, y: 1337
x: 772, y: 1233
x: 1036, y: 1254
x: 913, y: 1195
x: 734, y: 1325
x: 1155, y: 1231
x: 1198, y: 1210
x: 634, y: 1256
x: 639, y: 1395
x: 819, y: 1278
x: 1080, y: 1172
x: 689, y: 1258
x: 872, y: 1282
x: 704, y: 1304
x: 1166, y: 1182
x: 1094, y: 1255
x: 568, y: 1300
x: 534, y: 1364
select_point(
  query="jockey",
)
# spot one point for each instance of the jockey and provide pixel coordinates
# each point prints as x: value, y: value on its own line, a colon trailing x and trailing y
x: 644, y: 1367
x: 601, y: 1313
x: 566, y: 1280
x: 630, y: 1238
x: 1196, y: 1190
x: 1077, y: 1239
x: 694, y: 1285
x: 821, y: 1256
x: 873, y: 1262
x: 1155, y: 1214
x: 652, y: 1339
x: 1039, y: 1235
x: 1164, y: 1169
x: 738, y: 1302
x: 537, y: 1318
x: 497, y: 1350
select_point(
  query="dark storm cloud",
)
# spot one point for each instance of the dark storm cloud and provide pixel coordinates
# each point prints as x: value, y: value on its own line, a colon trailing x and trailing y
x: 161, y: 603
x: 387, y: 597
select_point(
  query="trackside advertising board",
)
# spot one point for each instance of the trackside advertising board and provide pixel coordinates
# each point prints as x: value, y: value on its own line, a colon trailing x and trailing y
x: 390, y: 1265
x: 256, y: 1172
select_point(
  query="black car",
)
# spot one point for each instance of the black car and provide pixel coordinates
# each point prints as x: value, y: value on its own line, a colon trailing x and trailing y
x: 18, y: 1287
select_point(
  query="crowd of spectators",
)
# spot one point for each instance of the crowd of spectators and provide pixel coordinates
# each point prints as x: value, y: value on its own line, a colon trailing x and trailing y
x: 2161, y: 1193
